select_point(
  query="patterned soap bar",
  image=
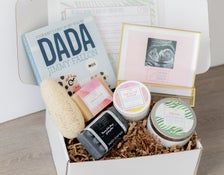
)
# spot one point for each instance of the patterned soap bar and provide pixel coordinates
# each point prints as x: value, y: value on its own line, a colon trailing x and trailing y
x: 93, y: 97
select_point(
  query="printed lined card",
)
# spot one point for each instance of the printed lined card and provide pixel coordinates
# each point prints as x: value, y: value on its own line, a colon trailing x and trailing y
x: 110, y: 15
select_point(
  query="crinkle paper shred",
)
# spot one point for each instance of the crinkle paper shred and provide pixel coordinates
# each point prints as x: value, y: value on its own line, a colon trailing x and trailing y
x: 137, y: 142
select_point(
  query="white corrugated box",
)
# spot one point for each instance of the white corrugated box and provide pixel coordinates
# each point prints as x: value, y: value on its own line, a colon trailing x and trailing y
x: 182, y: 163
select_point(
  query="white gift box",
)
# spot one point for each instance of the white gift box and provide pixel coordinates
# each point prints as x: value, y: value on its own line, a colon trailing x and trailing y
x: 31, y: 14
x: 182, y: 163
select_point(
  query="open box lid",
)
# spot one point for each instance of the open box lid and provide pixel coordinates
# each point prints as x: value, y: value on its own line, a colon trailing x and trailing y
x: 171, y: 13
x: 32, y: 14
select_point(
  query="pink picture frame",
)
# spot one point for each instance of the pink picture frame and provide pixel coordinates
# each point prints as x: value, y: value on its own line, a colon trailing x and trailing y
x: 165, y: 59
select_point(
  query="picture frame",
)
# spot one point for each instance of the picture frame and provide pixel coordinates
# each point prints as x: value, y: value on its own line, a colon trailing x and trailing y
x: 164, y: 59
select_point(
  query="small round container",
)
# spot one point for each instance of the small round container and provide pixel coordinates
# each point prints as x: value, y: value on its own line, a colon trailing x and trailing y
x: 132, y: 99
x: 172, y: 121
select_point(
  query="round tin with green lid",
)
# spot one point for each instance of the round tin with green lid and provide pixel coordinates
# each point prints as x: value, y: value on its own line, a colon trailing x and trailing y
x: 172, y: 121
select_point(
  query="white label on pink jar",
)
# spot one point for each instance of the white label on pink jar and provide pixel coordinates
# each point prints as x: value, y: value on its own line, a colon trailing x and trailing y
x: 131, y: 97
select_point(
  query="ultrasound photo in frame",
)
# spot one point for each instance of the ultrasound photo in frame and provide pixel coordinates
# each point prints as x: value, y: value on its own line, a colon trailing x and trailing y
x: 160, y: 53
x: 165, y: 59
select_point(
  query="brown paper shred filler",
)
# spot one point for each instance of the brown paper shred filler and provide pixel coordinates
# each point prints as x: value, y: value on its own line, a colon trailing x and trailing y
x: 137, y: 142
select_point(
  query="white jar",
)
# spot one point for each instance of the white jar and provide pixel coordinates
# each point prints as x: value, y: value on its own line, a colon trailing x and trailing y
x: 172, y: 121
x: 132, y: 99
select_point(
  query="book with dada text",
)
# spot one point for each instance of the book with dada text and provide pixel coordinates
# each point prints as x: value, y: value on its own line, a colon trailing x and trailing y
x: 68, y: 47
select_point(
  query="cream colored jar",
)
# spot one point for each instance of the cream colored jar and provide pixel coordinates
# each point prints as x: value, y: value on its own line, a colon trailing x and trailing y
x: 172, y: 121
x: 132, y: 99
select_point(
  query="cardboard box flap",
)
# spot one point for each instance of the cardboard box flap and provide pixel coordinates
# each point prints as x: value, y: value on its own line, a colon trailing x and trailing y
x: 189, y: 15
x: 30, y: 15
x: 192, y: 15
x: 184, y: 163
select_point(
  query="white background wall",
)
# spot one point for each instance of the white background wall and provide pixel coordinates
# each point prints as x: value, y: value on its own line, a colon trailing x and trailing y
x: 216, y: 17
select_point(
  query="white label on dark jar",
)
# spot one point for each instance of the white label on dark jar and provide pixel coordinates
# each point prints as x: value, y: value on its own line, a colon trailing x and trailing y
x: 108, y: 130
